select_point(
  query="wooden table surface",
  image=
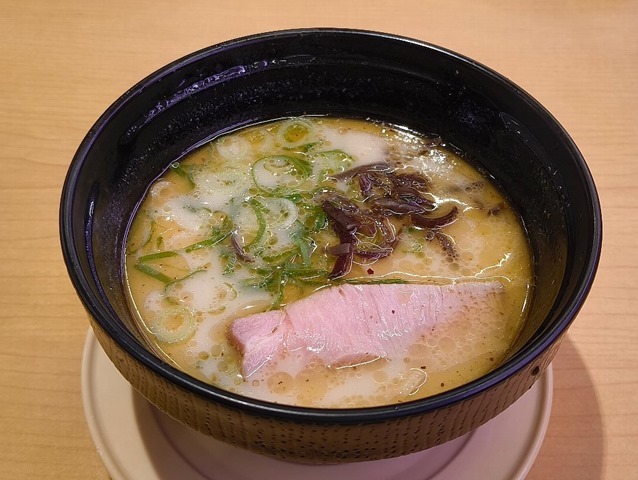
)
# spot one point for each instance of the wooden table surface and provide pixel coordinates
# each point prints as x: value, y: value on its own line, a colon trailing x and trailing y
x: 63, y: 62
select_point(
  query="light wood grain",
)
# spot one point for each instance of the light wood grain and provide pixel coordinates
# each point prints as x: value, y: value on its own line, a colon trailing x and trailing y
x: 63, y: 62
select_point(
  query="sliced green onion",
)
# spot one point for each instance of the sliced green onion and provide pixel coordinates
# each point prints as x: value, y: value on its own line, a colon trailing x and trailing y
x: 209, y: 242
x: 305, y: 148
x: 306, y: 245
x: 175, y: 324
x: 177, y: 168
x: 331, y: 162
x: 181, y: 279
x: 278, y: 282
x: 302, y: 166
x: 219, y: 233
x: 233, y: 147
x: 295, y: 132
x: 164, y: 266
x: 218, y: 185
x: 280, y: 171
x: 258, y: 208
x: 321, y: 220
x: 229, y: 261
x: 280, y: 213
x: 280, y: 258
x: 140, y: 236
x: 301, y: 271
x: 156, y: 256
x: 153, y: 272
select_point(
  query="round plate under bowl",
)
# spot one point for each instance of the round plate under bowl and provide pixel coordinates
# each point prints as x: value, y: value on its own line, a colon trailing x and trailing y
x: 136, y: 440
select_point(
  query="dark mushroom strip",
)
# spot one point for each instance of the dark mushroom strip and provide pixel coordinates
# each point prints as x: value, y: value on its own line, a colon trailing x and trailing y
x: 369, y: 180
x: 414, y: 180
x: 338, y: 201
x: 369, y: 176
x: 347, y: 218
x: 369, y: 168
x: 342, y: 214
x: 366, y: 183
x: 373, y: 253
x: 340, y: 249
x: 413, y: 196
x: 391, y: 206
x: 239, y: 250
x: 383, y: 244
x: 368, y: 233
x: 344, y: 223
x: 423, y: 221
x: 386, y: 229
x: 342, y: 266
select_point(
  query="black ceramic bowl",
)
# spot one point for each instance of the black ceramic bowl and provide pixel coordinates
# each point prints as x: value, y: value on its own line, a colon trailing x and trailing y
x: 500, y: 128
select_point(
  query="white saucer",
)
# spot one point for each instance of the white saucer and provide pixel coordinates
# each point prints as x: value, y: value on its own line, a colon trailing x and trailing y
x: 137, y: 441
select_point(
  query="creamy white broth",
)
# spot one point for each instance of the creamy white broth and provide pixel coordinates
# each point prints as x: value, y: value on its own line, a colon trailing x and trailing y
x: 232, y: 209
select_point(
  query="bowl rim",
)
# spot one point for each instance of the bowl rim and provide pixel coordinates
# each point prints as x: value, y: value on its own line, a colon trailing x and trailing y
x: 106, y: 318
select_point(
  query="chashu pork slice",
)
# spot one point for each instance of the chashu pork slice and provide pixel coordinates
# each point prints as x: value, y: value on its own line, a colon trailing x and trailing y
x: 353, y: 324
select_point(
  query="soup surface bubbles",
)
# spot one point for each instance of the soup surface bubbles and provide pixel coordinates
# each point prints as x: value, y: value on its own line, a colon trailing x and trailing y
x: 268, y: 215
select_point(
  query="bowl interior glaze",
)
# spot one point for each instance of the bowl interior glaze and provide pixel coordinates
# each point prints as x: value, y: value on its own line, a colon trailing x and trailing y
x: 497, y: 126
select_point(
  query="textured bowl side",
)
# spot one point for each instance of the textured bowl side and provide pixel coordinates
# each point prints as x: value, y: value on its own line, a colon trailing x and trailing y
x: 323, y: 443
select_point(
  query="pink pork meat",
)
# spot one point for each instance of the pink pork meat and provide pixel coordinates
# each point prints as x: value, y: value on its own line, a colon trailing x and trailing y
x: 352, y: 324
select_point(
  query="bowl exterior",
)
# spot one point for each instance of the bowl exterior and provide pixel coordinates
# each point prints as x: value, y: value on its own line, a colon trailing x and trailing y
x: 322, y: 443
x: 499, y: 127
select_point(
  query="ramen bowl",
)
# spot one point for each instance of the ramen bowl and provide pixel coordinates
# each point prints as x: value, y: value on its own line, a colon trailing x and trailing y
x: 501, y: 129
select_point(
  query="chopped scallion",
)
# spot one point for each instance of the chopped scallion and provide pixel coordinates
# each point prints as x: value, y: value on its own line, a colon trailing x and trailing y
x: 157, y: 256
x: 178, y: 169
x: 153, y: 272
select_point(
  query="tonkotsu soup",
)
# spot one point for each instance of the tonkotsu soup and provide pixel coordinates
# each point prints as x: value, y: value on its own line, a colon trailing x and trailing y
x: 328, y: 262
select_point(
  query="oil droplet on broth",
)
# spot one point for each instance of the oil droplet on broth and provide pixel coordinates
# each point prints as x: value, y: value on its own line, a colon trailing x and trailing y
x: 280, y: 383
